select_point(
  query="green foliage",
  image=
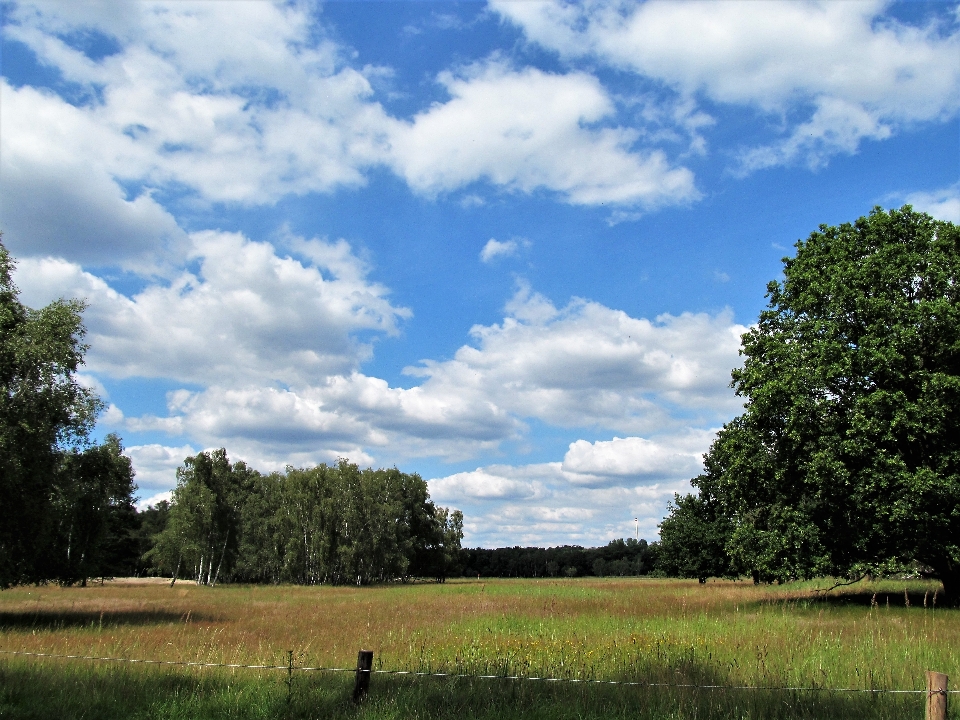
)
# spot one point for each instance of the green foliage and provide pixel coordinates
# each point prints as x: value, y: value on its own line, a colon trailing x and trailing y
x: 327, y: 524
x: 618, y: 558
x: 45, y: 415
x: 847, y: 457
x: 95, y: 518
x: 693, y: 540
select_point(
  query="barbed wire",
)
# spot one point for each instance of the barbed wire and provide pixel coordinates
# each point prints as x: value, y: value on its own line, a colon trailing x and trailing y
x: 415, y: 673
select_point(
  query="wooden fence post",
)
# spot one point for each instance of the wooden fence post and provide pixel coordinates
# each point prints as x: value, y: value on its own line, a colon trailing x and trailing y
x: 289, y: 676
x: 936, y: 696
x: 364, y: 669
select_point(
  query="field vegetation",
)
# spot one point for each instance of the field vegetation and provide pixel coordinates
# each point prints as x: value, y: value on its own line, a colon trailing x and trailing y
x: 643, y: 630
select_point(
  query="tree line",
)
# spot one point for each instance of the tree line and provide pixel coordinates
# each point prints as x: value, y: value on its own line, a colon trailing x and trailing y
x: 618, y: 558
x: 328, y: 524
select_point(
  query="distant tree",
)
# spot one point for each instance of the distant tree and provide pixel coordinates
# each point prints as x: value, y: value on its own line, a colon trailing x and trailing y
x: 846, y: 459
x: 44, y: 412
x: 619, y: 558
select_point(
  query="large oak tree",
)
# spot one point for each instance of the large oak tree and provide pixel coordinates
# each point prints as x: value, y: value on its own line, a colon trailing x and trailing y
x: 846, y: 459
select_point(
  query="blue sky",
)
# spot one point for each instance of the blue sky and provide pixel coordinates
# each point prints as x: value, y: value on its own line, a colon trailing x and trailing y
x: 508, y: 245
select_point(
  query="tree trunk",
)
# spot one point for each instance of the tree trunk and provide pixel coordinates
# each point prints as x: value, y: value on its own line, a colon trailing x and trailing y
x: 950, y: 577
x: 177, y: 571
x: 223, y: 552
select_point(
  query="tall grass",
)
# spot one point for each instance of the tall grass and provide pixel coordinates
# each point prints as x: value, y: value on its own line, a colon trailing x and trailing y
x: 637, y: 630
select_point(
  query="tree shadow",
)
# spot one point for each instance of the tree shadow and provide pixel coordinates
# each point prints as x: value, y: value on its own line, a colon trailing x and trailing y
x: 454, y: 699
x: 883, y: 599
x: 63, y: 619
x: 109, y: 692
x: 912, y: 599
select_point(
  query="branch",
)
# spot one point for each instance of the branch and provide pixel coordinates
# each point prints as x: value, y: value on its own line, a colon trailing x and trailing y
x: 839, y: 584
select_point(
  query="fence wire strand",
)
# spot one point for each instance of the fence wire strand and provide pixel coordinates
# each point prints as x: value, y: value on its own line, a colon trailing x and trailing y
x: 415, y: 673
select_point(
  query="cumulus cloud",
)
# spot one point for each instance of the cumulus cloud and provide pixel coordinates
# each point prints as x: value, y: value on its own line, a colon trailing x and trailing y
x: 585, y: 365
x: 235, y: 101
x: 247, y: 314
x: 60, y: 194
x: 837, y: 126
x: 499, y: 511
x: 270, y: 341
x: 230, y: 102
x: 156, y: 467
x: 589, y: 365
x: 528, y: 130
x: 298, y: 396
x: 242, y: 103
x: 498, y: 482
x: 494, y: 249
x: 641, y: 460
x: 581, y: 366
x: 943, y: 204
x: 630, y: 461
x: 846, y: 70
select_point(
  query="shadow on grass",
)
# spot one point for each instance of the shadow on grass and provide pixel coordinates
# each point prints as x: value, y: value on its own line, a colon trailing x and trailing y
x: 884, y: 599
x: 912, y: 599
x: 67, y: 691
x: 61, y: 619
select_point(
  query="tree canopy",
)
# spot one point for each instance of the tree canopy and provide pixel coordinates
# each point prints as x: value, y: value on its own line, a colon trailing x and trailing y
x: 327, y: 524
x: 44, y: 415
x: 846, y: 459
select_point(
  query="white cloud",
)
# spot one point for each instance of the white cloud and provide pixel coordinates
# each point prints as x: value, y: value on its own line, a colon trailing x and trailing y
x: 241, y: 103
x: 529, y: 130
x: 589, y: 365
x: 493, y: 483
x: 943, y: 204
x: 863, y: 75
x: 270, y: 340
x: 494, y: 249
x: 642, y: 460
x: 60, y: 196
x: 837, y: 126
x: 340, y: 416
x: 581, y: 366
x: 497, y: 500
x: 156, y: 467
x: 246, y: 315
x: 621, y: 462
x: 235, y: 102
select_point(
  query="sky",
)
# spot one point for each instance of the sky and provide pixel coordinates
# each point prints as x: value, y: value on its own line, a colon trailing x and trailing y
x: 508, y: 245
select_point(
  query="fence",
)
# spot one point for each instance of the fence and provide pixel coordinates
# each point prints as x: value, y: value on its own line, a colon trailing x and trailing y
x: 936, y: 693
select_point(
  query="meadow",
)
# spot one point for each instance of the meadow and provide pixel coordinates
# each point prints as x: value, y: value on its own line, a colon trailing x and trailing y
x: 880, y: 635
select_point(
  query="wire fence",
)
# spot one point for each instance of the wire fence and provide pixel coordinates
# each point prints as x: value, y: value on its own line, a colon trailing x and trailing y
x: 414, y: 673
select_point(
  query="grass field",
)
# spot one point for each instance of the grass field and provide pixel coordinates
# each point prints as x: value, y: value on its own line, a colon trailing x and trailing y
x: 657, y: 631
